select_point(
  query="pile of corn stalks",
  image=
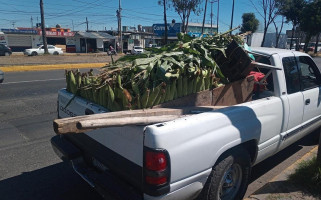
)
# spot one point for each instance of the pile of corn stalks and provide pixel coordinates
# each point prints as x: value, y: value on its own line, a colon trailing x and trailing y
x: 162, y: 75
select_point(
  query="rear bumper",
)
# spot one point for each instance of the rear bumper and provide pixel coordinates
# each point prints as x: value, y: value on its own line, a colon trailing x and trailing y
x: 106, y: 184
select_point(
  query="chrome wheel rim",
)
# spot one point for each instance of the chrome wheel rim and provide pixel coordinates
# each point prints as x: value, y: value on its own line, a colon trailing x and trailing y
x: 231, y: 182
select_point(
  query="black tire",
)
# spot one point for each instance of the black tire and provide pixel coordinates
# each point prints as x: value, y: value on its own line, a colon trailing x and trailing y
x: 7, y: 54
x: 55, y: 53
x: 229, y: 177
x: 34, y: 53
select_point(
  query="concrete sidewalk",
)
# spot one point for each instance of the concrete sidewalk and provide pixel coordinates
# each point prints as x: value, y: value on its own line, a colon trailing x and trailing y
x: 279, y: 188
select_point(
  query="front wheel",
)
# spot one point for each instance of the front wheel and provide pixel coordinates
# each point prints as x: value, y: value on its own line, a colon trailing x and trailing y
x: 229, y: 177
x: 55, y: 53
x: 7, y: 54
x: 34, y: 53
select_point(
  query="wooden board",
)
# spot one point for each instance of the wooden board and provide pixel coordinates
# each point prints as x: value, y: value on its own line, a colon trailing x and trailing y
x: 227, y: 95
x: 69, y: 125
x: 234, y: 93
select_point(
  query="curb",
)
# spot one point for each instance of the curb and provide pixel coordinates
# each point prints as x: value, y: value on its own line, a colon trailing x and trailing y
x: 19, y: 68
x: 269, y: 188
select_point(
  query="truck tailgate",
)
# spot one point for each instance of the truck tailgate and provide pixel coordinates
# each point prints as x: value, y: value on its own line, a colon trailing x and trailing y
x: 119, y: 149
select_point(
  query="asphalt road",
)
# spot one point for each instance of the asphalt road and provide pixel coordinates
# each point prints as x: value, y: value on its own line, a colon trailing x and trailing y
x: 29, y: 169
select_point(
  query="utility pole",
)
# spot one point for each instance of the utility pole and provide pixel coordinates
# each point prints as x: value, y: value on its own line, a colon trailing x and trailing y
x: 120, y: 28
x: 232, y: 17
x: 165, y: 21
x: 212, y: 16
x: 31, y: 20
x: 218, y: 10
x: 73, y: 27
x: 44, y: 38
x: 204, y: 17
x: 87, y: 23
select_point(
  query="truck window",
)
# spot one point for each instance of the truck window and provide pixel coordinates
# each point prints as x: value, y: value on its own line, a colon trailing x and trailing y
x: 309, y: 72
x: 267, y: 89
x: 292, y: 74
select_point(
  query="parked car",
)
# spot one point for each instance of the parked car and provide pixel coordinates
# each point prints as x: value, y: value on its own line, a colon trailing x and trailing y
x: 1, y: 76
x: 137, y: 50
x: 5, y: 50
x: 41, y: 50
x: 311, y: 46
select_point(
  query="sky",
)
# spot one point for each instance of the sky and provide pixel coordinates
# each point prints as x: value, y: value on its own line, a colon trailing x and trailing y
x: 101, y: 14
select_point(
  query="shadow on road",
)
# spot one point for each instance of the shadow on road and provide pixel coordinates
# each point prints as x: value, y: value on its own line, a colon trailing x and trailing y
x: 55, y: 182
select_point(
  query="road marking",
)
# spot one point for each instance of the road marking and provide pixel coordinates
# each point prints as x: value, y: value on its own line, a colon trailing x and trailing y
x: 7, y: 83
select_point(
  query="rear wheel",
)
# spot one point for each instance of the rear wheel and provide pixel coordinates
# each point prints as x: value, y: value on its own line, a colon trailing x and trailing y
x: 229, y: 177
x: 34, y: 53
x: 7, y: 54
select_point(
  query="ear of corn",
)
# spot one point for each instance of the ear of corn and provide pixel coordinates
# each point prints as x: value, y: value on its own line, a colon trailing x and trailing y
x: 144, y: 99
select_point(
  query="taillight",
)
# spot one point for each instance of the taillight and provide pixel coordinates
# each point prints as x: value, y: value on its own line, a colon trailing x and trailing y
x: 156, y: 171
x: 155, y: 161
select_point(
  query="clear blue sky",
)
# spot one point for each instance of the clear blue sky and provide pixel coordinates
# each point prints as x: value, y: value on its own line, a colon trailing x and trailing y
x: 102, y: 13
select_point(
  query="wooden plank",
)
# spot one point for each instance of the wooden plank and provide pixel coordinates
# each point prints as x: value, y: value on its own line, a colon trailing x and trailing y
x: 126, y: 121
x: 69, y: 125
x: 203, y: 98
x: 234, y: 93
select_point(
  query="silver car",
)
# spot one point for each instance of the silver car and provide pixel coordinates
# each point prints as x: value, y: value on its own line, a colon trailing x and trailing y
x: 1, y: 76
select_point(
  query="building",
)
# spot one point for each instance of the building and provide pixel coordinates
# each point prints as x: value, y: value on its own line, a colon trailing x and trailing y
x: 20, y: 38
x: 85, y: 42
x: 194, y: 30
x: 255, y: 40
x: 136, y: 37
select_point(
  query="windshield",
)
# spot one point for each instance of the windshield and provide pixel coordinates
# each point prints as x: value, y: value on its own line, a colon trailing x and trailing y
x: 138, y: 47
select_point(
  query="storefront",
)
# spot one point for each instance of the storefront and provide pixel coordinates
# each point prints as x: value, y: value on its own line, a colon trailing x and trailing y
x: 19, y: 39
x: 93, y: 41
x: 60, y: 38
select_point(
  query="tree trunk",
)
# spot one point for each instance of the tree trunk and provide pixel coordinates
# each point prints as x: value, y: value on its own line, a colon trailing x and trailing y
x: 307, y: 40
x: 279, y: 34
x: 204, y: 17
x: 165, y: 21
x: 264, y: 34
x: 291, y: 42
x: 316, y: 44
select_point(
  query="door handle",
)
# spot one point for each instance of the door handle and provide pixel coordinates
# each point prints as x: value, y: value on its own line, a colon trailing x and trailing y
x: 307, y: 102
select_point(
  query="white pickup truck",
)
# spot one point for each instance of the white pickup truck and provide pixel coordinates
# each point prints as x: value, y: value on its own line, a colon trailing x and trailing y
x: 203, y: 156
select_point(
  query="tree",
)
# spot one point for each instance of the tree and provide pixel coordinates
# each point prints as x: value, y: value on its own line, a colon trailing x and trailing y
x: 184, y: 9
x: 204, y: 17
x: 291, y: 10
x: 268, y: 12
x: 249, y: 22
x: 164, y: 4
x: 310, y: 20
x: 278, y: 32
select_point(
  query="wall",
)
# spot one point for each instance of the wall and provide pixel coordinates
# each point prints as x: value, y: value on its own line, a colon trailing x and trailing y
x: 255, y: 40
x: 100, y: 44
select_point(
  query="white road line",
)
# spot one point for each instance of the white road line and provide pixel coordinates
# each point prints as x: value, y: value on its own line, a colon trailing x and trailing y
x: 7, y: 83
